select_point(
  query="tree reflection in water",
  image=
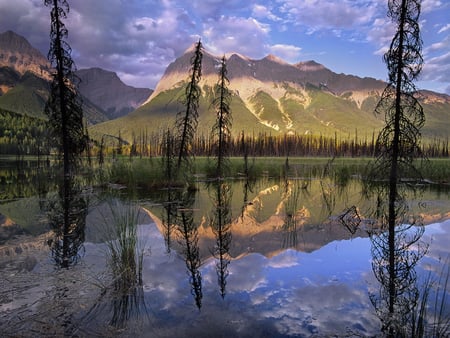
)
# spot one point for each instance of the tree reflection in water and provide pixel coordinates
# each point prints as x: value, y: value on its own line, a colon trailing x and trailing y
x: 67, y: 217
x: 396, y: 250
x: 221, y: 227
x: 170, y: 205
x: 188, y: 237
x: 248, y: 186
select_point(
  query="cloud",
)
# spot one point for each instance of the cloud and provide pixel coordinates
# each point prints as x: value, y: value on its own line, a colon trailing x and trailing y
x: 319, y: 15
x: 381, y: 34
x: 139, y: 39
x: 263, y: 12
x: 437, y: 69
x: 247, y: 275
x: 289, y: 53
x: 430, y: 5
x: 287, y: 259
x: 236, y: 34
x: 445, y: 28
x: 214, y: 9
x: 29, y: 18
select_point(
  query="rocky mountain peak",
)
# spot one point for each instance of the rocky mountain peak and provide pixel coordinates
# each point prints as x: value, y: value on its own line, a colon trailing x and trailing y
x: 310, y: 66
x: 17, y: 53
x: 105, y: 89
x: 16, y: 43
x: 274, y: 58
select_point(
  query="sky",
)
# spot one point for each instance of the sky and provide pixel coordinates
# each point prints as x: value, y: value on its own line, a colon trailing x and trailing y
x: 138, y: 39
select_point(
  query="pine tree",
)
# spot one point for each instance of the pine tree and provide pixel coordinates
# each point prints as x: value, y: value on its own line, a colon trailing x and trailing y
x: 64, y: 105
x: 399, y: 141
x: 66, y: 123
x: 222, y: 126
x: 398, y: 146
x: 187, y: 120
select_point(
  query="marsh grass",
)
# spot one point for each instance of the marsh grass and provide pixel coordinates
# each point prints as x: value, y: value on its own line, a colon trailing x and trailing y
x: 434, y: 297
x: 148, y: 172
x: 125, y: 249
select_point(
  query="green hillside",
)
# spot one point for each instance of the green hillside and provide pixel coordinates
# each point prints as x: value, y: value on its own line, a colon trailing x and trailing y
x: 27, y: 97
x: 160, y: 114
x: 325, y: 115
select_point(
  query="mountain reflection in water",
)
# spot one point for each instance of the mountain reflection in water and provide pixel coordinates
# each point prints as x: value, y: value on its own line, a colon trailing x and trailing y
x: 285, y: 265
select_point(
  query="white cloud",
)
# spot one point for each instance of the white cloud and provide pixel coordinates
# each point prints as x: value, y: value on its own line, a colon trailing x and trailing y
x: 380, y: 34
x: 430, y: 5
x: 445, y: 28
x: 329, y: 14
x: 236, y: 34
x: 289, y: 53
x: 437, y: 69
x: 138, y: 39
x: 263, y: 12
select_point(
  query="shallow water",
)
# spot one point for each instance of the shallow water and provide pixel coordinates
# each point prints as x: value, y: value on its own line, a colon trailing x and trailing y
x: 291, y: 293
x: 291, y: 268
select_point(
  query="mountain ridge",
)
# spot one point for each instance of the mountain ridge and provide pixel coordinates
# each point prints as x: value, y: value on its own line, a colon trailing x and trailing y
x: 25, y: 75
x: 274, y: 96
x: 17, y: 53
x: 107, y: 91
x: 269, y: 95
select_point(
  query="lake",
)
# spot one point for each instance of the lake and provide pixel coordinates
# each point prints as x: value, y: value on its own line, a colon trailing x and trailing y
x: 271, y: 257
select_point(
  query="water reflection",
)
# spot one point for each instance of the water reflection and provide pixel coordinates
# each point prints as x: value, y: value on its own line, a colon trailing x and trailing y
x: 282, y: 267
x: 120, y: 310
x: 67, y: 218
x: 221, y: 227
x: 396, y: 250
x: 170, y: 205
x: 22, y: 179
x: 187, y: 231
x: 395, y: 234
x: 294, y: 216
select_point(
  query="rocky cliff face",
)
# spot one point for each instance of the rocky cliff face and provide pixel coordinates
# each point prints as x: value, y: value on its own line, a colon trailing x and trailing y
x: 107, y: 91
x: 305, y: 98
x: 16, y: 53
x: 24, y: 84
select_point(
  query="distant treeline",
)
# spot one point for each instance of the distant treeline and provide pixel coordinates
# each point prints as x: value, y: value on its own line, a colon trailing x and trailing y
x: 263, y: 144
x: 24, y: 135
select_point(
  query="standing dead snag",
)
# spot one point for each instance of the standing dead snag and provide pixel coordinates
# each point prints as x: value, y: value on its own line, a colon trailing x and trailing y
x: 65, y: 115
x: 187, y: 120
x: 398, y: 145
x: 222, y: 127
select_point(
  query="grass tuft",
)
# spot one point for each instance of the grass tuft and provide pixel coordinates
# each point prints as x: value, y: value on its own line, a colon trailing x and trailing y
x: 125, y: 249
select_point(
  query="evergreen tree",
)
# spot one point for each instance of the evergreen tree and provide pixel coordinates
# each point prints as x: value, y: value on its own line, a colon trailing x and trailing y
x: 222, y: 126
x: 64, y: 105
x: 398, y: 145
x: 66, y: 123
x: 399, y: 141
x: 187, y: 120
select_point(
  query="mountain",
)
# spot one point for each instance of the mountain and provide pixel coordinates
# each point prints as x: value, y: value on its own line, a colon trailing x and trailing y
x: 25, y: 75
x: 17, y: 54
x: 107, y: 91
x: 272, y: 96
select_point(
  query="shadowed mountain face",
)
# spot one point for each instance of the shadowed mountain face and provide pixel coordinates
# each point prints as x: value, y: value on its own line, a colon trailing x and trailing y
x: 24, y: 84
x: 273, y: 96
x: 107, y: 91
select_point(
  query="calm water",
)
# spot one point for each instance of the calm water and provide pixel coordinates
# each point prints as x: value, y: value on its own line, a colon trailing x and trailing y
x: 269, y: 258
